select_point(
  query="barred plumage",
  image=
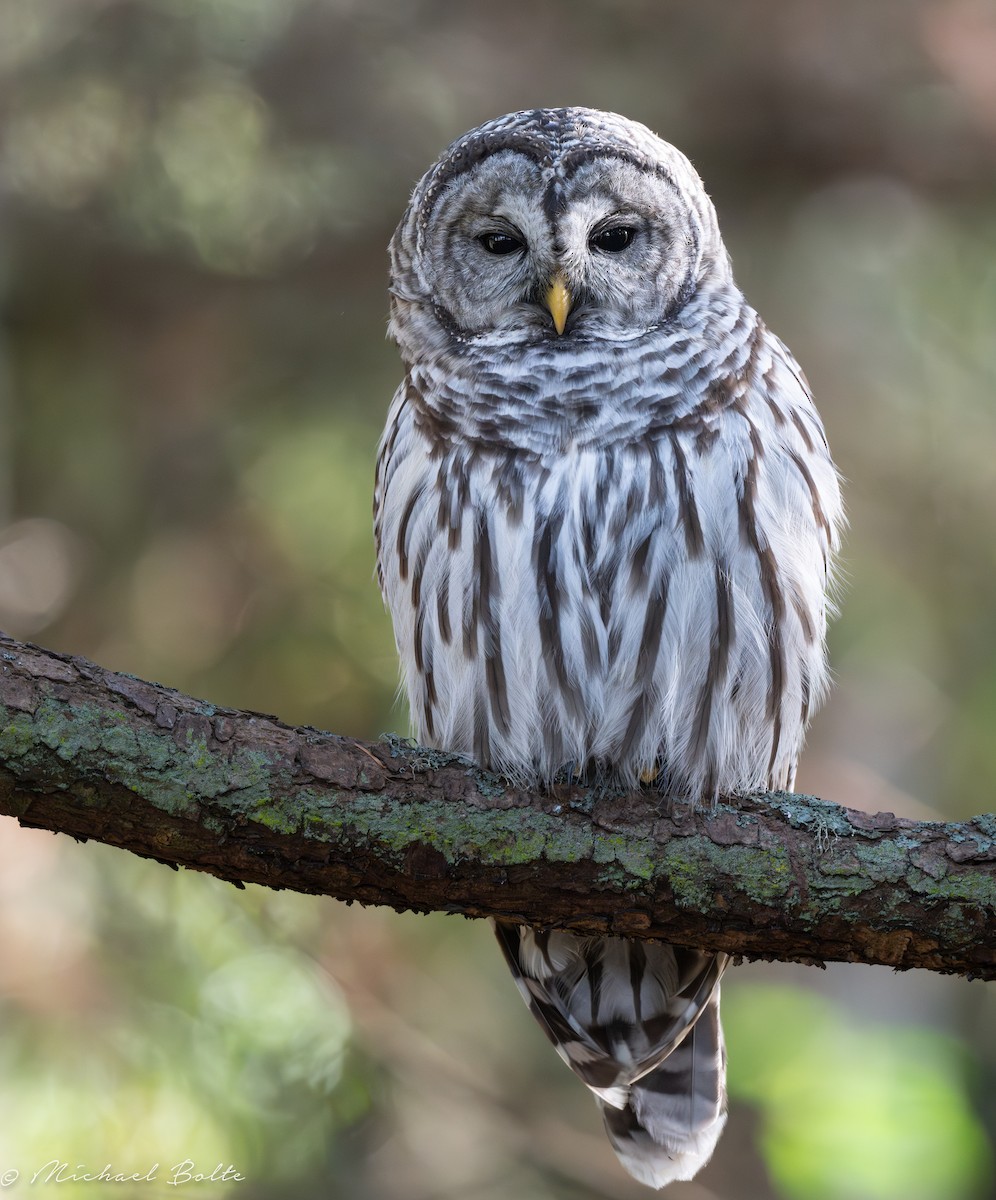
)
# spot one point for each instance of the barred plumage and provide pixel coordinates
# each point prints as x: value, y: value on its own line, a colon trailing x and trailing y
x: 605, y: 515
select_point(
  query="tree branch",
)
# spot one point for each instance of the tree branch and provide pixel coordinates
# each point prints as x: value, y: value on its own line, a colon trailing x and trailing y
x: 95, y: 754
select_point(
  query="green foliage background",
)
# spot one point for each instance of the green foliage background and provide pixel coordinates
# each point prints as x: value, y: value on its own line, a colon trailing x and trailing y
x: 195, y: 199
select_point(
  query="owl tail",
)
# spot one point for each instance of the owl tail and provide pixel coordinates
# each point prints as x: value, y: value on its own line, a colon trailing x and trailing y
x: 638, y: 1023
x: 672, y: 1118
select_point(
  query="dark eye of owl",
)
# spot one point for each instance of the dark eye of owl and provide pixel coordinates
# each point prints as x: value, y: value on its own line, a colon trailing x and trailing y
x: 500, y: 243
x: 614, y: 239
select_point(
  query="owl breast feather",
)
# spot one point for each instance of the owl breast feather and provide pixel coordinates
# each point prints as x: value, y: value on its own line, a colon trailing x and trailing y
x: 650, y: 601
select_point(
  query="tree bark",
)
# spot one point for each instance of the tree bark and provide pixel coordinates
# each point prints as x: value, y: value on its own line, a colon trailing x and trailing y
x: 95, y: 754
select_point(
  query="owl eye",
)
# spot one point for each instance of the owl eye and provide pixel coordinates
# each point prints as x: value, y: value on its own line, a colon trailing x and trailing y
x: 500, y: 243
x: 614, y: 239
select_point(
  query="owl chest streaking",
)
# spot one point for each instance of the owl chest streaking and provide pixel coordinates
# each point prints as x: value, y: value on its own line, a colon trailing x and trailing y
x: 605, y: 516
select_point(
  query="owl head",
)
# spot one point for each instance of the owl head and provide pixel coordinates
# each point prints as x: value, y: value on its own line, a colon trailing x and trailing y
x: 554, y: 226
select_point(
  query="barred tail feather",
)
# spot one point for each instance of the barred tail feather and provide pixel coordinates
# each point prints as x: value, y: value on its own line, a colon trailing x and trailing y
x: 638, y: 1022
x: 670, y: 1123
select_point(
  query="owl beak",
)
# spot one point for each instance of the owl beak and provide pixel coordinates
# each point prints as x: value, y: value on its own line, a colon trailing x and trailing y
x: 558, y: 301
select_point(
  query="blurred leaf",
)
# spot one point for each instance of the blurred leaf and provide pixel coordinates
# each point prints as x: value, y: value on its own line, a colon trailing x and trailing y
x: 851, y: 1113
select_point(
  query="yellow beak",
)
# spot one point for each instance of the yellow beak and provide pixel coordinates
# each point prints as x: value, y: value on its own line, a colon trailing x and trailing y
x: 558, y: 301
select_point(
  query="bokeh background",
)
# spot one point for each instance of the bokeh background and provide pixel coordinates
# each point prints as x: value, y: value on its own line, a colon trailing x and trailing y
x: 195, y: 198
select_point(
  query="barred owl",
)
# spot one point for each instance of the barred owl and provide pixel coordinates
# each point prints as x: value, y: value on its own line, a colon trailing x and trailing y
x: 605, y: 515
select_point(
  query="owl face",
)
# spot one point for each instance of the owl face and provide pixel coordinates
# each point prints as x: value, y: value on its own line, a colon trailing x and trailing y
x: 556, y: 230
